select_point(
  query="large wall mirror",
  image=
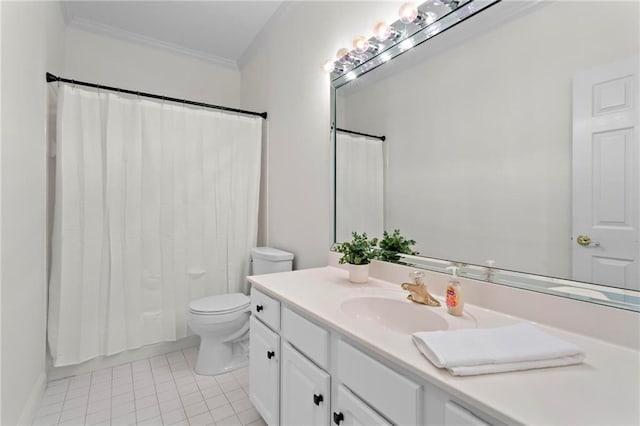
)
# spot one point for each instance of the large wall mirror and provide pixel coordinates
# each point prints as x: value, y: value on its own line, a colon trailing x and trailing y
x: 511, y: 147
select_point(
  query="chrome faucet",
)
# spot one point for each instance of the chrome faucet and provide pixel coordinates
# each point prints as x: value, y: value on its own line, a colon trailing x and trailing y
x: 418, y: 291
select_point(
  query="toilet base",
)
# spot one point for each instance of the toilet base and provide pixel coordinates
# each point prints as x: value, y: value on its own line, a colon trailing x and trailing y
x: 218, y: 358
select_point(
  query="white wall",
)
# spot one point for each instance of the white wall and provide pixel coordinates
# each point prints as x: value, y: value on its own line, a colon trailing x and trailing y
x: 110, y: 61
x: 283, y: 77
x: 32, y: 43
x: 479, y: 136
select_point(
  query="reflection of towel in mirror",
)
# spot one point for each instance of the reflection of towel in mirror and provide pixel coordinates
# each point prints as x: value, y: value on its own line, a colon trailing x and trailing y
x: 494, y: 350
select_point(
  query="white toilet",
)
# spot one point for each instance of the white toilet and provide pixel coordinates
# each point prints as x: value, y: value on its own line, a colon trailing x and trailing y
x: 222, y: 322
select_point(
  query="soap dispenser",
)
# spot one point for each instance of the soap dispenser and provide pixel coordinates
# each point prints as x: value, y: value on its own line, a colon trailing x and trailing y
x: 455, y: 300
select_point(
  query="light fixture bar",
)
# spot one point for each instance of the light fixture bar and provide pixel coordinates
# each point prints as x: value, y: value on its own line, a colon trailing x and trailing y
x: 421, y: 30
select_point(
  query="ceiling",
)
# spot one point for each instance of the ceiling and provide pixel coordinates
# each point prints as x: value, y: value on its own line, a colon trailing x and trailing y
x: 218, y: 31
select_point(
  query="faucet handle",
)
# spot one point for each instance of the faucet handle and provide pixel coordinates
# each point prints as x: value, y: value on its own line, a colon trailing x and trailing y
x: 417, y: 276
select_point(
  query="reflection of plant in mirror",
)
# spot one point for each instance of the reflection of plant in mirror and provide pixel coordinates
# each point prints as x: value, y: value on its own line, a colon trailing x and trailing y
x: 359, y: 251
x: 391, y: 246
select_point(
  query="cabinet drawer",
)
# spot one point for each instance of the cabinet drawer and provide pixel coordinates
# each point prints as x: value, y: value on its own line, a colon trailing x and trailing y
x: 266, y: 308
x: 308, y: 338
x: 353, y: 412
x: 399, y: 399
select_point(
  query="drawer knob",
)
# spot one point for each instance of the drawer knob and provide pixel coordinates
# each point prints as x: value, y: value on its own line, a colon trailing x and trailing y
x: 259, y: 308
x: 270, y: 354
x: 337, y: 418
x: 317, y: 399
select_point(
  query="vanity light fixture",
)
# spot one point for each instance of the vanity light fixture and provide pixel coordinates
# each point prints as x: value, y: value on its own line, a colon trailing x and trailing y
x: 361, y: 44
x: 383, y: 31
x: 385, y: 56
x: 342, y: 54
x: 417, y: 24
x: 406, y: 44
x: 347, y: 59
x: 410, y: 14
x: 328, y: 66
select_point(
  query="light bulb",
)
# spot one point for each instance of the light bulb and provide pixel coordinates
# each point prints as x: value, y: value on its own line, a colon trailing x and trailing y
x: 328, y: 66
x: 360, y: 44
x: 342, y: 52
x: 408, y: 13
x: 382, y: 31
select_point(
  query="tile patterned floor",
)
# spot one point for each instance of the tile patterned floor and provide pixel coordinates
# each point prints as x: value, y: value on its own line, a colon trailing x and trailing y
x: 162, y: 390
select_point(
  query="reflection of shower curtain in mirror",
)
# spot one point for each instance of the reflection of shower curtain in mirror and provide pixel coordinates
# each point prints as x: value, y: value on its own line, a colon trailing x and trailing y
x: 359, y: 186
x: 156, y: 204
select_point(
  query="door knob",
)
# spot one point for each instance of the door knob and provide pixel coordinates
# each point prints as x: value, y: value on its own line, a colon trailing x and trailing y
x: 317, y: 399
x: 585, y: 241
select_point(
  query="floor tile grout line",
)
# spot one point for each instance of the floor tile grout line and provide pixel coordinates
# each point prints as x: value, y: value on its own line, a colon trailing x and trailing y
x: 156, y: 389
x: 133, y: 386
x: 63, y: 401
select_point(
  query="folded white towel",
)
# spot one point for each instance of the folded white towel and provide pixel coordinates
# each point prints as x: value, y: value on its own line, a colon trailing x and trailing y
x: 491, y: 350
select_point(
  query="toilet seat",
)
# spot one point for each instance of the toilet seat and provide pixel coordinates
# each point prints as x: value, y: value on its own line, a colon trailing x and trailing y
x: 220, y: 305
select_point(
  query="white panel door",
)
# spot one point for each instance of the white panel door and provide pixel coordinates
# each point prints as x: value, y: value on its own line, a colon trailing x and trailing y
x: 264, y: 369
x: 305, y: 390
x: 605, y: 186
x: 349, y: 410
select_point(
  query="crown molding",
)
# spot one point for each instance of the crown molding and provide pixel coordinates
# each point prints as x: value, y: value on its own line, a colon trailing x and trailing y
x: 259, y: 39
x: 124, y: 35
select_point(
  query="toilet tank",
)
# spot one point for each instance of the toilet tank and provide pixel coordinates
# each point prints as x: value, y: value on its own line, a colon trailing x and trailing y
x: 266, y: 260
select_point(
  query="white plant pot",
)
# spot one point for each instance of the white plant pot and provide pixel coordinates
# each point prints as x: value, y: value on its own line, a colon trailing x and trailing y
x: 358, y: 273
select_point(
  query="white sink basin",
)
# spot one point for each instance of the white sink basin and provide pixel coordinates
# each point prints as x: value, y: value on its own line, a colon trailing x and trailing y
x: 401, y: 316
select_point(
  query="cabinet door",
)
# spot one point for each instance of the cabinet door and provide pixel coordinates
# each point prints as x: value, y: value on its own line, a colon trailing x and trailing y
x: 305, y: 390
x: 264, y: 368
x: 349, y: 410
x: 455, y: 415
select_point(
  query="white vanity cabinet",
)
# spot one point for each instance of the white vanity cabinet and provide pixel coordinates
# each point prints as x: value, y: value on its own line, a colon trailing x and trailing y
x: 304, y: 374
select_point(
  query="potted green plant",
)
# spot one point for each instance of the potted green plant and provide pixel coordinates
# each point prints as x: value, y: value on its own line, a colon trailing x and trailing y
x: 392, y: 245
x: 358, y: 254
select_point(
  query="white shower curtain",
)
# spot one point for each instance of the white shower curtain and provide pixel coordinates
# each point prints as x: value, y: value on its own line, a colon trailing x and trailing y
x: 156, y: 204
x: 359, y: 186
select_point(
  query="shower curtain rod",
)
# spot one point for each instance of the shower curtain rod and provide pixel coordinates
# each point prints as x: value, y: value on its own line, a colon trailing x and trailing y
x: 51, y: 78
x: 382, y: 138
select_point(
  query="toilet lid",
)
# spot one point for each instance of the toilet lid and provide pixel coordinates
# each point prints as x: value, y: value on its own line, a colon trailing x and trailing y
x: 221, y: 304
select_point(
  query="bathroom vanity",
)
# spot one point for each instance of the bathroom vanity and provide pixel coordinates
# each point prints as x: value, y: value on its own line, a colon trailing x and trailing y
x: 324, y: 351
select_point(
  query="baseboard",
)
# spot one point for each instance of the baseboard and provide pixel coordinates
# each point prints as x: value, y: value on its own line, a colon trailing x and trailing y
x: 33, y: 402
x: 54, y: 373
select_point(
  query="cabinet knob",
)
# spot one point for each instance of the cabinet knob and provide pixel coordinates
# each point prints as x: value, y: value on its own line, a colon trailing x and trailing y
x: 270, y: 354
x: 317, y: 399
x: 259, y: 308
x: 337, y: 418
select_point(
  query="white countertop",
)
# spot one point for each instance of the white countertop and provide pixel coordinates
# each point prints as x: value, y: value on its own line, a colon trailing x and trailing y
x: 604, y: 390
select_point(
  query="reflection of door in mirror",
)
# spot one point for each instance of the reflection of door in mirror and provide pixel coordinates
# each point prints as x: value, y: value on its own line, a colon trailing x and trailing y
x: 605, y: 175
x: 359, y: 186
